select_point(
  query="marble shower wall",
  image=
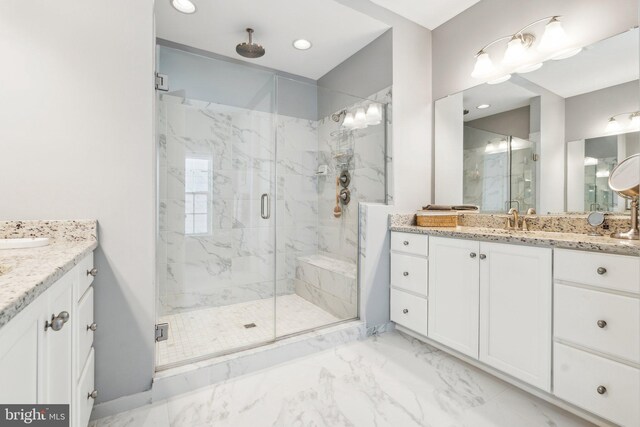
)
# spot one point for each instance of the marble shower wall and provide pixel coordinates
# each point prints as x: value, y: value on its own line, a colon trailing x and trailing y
x: 234, y: 260
x: 338, y: 237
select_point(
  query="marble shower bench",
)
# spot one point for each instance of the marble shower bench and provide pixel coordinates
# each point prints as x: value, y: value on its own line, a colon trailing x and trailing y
x: 329, y: 283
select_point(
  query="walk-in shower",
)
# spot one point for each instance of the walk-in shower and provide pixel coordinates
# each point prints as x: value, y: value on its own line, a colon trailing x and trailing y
x: 249, y: 176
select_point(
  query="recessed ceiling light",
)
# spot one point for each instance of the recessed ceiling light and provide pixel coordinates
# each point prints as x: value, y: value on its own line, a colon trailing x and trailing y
x: 184, y: 6
x: 302, y: 44
x: 483, y: 106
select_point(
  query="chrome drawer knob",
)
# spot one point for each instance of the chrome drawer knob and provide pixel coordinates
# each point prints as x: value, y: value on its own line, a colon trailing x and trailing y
x: 406, y: 243
x: 601, y: 270
x: 93, y: 272
x: 405, y: 311
x: 405, y: 274
x: 92, y: 395
x: 601, y: 323
x: 92, y: 327
x: 601, y: 389
x: 57, y: 322
x: 472, y: 254
x: 483, y: 256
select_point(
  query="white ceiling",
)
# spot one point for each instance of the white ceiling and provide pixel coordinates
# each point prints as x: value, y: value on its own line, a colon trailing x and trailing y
x: 604, y: 64
x: 428, y: 13
x: 503, y: 97
x: 336, y: 31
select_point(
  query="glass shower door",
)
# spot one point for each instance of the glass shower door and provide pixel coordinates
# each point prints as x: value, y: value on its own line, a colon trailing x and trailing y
x: 216, y: 211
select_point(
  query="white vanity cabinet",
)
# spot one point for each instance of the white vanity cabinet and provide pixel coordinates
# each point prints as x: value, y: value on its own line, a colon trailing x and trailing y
x: 42, y: 346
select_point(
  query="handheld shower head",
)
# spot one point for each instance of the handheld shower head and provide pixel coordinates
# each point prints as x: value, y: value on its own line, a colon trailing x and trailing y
x: 251, y: 49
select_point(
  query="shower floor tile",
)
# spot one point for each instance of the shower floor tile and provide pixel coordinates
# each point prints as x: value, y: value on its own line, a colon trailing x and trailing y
x: 212, y: 330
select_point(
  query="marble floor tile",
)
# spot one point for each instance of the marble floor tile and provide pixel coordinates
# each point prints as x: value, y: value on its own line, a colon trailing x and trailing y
x: 388, y: 380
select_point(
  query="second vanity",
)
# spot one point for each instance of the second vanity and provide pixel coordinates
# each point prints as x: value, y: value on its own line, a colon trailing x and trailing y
x: 554, y: 313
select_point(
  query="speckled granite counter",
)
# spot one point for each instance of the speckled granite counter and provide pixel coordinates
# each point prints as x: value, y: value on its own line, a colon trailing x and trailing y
x: 533, y: 238
x: 27, y: 273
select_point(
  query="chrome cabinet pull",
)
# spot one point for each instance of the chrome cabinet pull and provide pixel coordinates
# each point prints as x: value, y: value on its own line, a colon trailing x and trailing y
x: 601, y: 389
x: 601, y: 270
x: 93, y: 272
x: 57, y: 322
x: 602, y: 323
x: 406, y: 243
x: 92, y: 327
x: 472, y: 254
x: 405, y: 274
x: 405, y: 311
x: 483, y: 256
x: 92, y: 395
x: 265, y: 213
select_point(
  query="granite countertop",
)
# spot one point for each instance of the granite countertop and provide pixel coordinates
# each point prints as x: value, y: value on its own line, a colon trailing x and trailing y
x: 534, y: 238
x: 27, y: 273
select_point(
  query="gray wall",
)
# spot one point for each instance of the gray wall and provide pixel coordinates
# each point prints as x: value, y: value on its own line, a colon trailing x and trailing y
x: 514, y: 122
x: 587, y: 114
x: 364, y: 73
x: 77, y: 142
x: 456, y: 42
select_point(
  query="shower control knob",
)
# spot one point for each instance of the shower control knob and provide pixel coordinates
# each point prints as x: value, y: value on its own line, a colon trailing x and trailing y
x: 405, y: 311
x: 405, y: 274
x: 601, y: 323
x: 601, y: 270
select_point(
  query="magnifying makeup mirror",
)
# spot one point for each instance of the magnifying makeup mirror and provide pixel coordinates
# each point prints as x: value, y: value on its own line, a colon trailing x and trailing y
x: 595, y: 219
x: 625, y: 180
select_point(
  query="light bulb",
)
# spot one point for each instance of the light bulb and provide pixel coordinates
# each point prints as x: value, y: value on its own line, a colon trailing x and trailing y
x: 612, y: 126
x: 635, y: 120
x: 529, y: 68
x: 515, y: 52
x: 554, y: 37
x: 348, y: 121
x: 374, y: 114
x: 499, y: 80
x: 184, y: 6
x: 360, y: 119
x: 483, y: 67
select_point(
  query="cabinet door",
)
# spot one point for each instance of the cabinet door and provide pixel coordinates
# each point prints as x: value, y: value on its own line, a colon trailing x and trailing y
x: 515, y: 311
x: 454, y: 289
x: 19, y: 357
x: 57, y: 349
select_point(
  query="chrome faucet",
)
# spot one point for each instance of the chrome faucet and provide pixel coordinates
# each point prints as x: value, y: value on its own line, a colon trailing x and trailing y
x: 512, y: 223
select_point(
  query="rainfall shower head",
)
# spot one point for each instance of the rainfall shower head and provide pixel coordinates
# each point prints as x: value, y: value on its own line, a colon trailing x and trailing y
x: 250, y: 50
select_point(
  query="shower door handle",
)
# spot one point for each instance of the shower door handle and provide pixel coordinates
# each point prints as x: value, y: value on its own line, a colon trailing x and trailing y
x: 265, y: 212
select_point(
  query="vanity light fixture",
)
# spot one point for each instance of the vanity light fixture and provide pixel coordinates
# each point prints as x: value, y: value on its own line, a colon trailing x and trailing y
x: 590, y: 161
x: 348, y: 121
x: 483, y: 106
x: 360, y: 119
x: 184, y: 6
x: 302, y: 44
x: 529, y: 68
x: 613, y: 125
x: 519, y: 44
x: 374, y: 114
x: 602, y: 174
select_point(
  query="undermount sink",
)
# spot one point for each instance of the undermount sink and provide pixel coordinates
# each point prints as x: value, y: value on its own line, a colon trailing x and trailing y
x: 24, y: 243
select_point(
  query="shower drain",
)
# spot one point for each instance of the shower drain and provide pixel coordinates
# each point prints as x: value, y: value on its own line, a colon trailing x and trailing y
x: 250, y: 325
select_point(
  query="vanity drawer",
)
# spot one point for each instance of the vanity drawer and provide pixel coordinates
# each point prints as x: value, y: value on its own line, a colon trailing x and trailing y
x: 85, y: 333
x: 417, y: 244
x: 578, y: 376
x: 85, y: 270
x: 409, y: 311
x: 617, y: 272
x: 410, y: 273
x: 84, y: 401
x: 578, y: 317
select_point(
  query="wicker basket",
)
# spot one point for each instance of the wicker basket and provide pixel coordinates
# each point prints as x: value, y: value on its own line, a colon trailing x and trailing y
x: 436, y: 220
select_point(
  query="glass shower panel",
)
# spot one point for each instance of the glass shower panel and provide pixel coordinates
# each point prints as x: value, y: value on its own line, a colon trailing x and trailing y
x: 331, y: 149
x: 523, y: 173
x: 216, y: 213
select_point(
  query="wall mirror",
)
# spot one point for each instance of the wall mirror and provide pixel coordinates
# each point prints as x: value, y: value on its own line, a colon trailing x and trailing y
x: 546, y: 138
